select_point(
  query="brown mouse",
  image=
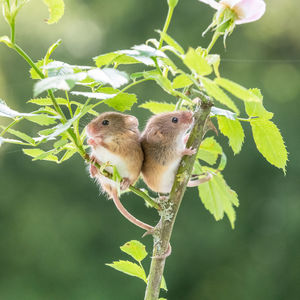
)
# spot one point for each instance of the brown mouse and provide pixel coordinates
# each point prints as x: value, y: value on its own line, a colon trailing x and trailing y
x: 114, y: 139
x: 163, y: 142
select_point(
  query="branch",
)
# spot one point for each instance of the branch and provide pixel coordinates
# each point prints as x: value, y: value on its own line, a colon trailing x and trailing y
x: 164, y: 231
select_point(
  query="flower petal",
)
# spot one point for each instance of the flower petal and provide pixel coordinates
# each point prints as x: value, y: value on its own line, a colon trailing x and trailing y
x: 230, y: 3
x: 249, y: 10
x: 214, y: 4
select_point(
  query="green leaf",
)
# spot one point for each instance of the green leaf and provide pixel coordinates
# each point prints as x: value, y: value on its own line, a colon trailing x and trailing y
x: 39, y: 64
x: 269, y: 142
x: 214, y: 60
x: 12, y: 141
x: 214, y: 91
x: 234, y: 131
x: 56, y: 10
x: 68, y: 154
x: 110, y: 76
x: 6, y: 40
x: 39, y: 154
x: 163, y: 284
x: 197, y: 63
x: 237, y: 90
x: 129, y: 268
x: 181, y: 81
x: 144, y: 54
x: 216, y: 111
x: 100, y: 96
x: 47, y: 101
x: 158, y: 107
x: 114, y: 57
x: 135, y: 249
x: 42, y: 119
x: 256, y: 109
x: 5, y: 111
x: 209, y: 150
x: 170, y: 41
x: 218, y: 198
x: 121, y: 102
x: 60, y: 143
x: 21, y: 135
x: 62, y: 82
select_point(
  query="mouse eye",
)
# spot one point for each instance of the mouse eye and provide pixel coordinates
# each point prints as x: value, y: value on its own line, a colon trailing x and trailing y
x: 105, y: 122
x: 174, y: 120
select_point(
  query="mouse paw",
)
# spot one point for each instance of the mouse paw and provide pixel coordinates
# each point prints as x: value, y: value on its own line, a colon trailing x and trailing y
x: 125, y: 183
x: 189, y: 151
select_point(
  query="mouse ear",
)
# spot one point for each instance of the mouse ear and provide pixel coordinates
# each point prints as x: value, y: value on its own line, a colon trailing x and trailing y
x: 154, y: 134
x: 133, y: 121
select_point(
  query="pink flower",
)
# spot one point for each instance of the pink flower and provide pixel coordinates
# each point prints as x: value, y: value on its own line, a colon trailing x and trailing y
x: 246, y: 11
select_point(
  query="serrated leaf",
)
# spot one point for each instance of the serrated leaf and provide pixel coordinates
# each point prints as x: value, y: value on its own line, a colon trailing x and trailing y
x: 256, y: 109
x: 181, y: 81
x: 110, y: 76
x: 197, y: 63
x: 216, y: 92
x: 39, y: 64
x: 129, y: 268
x: 12, y: 141
x: 47, y: 101
x: 100, y: 96
x: 162, y: 81
x: 218, y: 198
x: 121, y: 102
x: 158, y: 107
x: 209, y: 150
x: 269, y: 142
x: 114, y: 57
x: 143, y: 54
x: 234, y: 131
x: 6, y: 111
x: 39, y: 154
x: 216, y: 111
x: 20, y: 135
x: 42, y: 119
x: 135, y: 249
x: 63, y: 82
x: 170, y: 41
x: 237, y: 90
x: 6, y: 40
x: 56, y: 10
x: 60, y: 143
x: 68, y: 154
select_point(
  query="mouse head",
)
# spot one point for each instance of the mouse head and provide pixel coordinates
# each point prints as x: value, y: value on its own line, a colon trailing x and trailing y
x: 168, y: 126
x: 112, y: 123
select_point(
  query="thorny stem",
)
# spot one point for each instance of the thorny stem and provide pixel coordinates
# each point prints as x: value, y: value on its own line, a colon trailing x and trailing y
x: 164, y: 232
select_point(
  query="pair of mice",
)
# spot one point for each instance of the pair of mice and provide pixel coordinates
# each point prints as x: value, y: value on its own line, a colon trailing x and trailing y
x: 156, y: 153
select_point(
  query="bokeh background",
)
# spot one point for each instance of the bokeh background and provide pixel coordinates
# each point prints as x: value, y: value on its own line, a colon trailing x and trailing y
x: 57, y: 232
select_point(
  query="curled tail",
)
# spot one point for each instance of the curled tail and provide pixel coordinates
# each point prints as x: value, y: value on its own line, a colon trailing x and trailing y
x: 126, y: 214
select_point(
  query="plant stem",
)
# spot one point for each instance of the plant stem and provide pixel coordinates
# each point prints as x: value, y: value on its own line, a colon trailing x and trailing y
x: 213, y: 41
x: 10, y: 125
x: 166, y: 26
x: 162, y: 237
x: 145, y: 197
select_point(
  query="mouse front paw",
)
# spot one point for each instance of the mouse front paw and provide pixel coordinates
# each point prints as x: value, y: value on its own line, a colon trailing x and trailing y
x: 189, y: 151
x: 125, y: 183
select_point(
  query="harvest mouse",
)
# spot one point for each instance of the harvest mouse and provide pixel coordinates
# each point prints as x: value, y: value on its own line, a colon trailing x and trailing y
x: 114, y: 138
x: 163, y: 142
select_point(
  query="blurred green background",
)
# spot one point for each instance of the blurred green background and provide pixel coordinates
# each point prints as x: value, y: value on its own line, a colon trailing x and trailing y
x: 57, y: 232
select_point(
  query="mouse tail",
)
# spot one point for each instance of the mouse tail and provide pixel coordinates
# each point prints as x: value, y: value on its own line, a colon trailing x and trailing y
x: 126, y: 214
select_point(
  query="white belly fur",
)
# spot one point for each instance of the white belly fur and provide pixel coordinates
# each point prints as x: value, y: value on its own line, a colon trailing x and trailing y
x: 104, y: 155
x: 168, y: 178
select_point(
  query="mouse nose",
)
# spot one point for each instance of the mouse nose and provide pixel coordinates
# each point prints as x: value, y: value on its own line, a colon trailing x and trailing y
x: 187, y: 117
x: 89, y: 130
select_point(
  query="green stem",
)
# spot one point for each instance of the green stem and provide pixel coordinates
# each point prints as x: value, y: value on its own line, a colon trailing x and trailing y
x: 13, y: 32
x: 164, y: 232
x: 145, y: 197
x: 166, y: 26
x: 10, y: 125
x: 213, y: 41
